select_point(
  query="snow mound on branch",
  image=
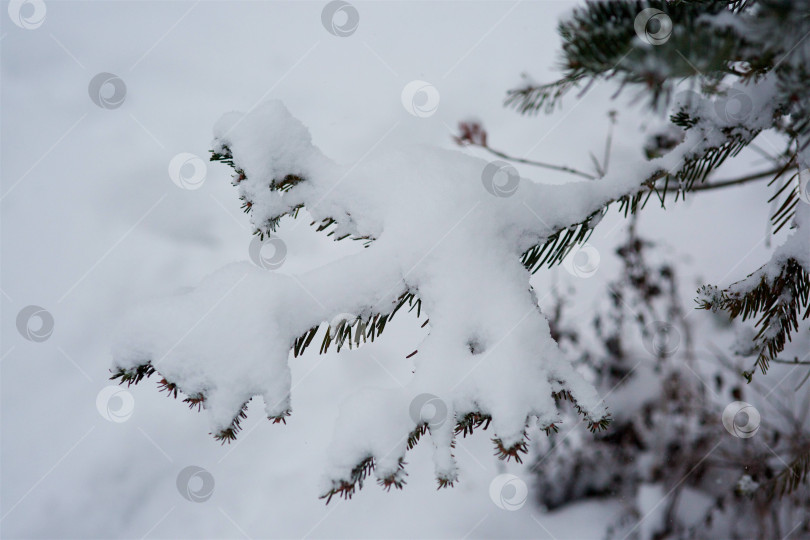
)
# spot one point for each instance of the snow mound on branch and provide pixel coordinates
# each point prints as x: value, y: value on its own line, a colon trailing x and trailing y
x: 439, y: 234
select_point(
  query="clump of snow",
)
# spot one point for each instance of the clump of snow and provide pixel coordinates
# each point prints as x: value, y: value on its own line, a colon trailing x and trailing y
x: 796, y: 247
x: 746, y: 485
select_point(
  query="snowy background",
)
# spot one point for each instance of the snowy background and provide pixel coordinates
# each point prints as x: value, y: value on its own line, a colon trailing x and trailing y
x: 92, y: 225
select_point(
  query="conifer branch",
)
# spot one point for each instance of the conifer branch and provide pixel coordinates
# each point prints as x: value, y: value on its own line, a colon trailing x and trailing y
x: 791, y: 477
x: 778, y: 302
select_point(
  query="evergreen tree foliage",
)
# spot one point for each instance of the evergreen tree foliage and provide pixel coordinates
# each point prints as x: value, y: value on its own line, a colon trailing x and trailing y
x: 728, y: 71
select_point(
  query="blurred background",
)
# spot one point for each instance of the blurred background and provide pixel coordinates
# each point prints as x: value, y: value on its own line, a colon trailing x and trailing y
x: 92, y: 224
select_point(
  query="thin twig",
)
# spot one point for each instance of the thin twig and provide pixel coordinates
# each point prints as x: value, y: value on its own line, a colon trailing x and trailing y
x: 742, y: 180
x: 561, y: 168
x: 795, y: 362
x: 609, y: 142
